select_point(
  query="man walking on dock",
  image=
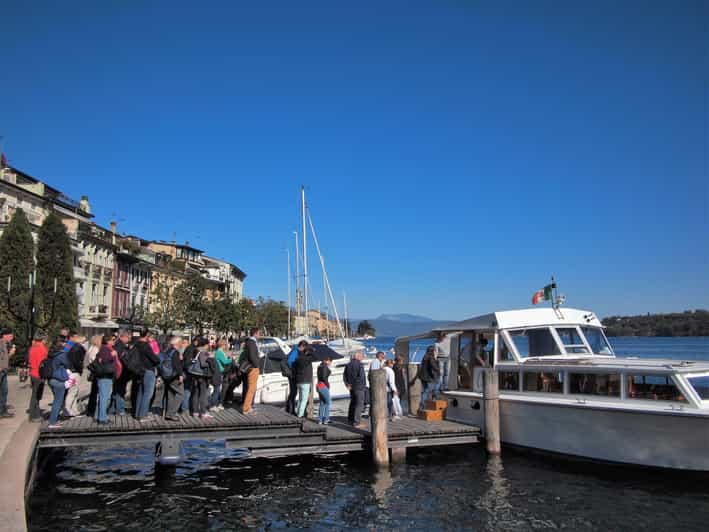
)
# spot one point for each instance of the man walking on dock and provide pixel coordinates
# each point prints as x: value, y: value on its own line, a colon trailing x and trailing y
x: 356, y: 383
x: 252, y: 372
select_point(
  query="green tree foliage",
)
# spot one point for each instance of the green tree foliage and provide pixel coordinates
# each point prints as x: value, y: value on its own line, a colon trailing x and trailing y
x: 272, y: 316
x: 687, y: 323
x: 55, y: 261
x: 365, y: 327
x: 17, y: 253
x: 165, y: 313
x: 194, y: 308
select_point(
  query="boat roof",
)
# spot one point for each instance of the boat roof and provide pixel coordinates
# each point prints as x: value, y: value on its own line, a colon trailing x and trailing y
x: 530, y: 317
x: 615, y: 363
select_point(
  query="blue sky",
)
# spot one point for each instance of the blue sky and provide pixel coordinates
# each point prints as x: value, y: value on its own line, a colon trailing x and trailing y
x: 455, y: 154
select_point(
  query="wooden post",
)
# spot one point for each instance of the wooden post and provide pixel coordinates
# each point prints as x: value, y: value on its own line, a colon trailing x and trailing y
x: 414, y: 389
x: 379, y: 414
x: 492, y: 412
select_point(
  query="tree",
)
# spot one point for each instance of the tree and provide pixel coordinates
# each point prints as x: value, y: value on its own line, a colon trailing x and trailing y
x: 55, y: 261
x: 193, y: 306
x: 164, y: 314
x: 272, y: 316
x: 245, y: 315
x: 365, y: 327
x: 225, y: 316
x: 17, y: 252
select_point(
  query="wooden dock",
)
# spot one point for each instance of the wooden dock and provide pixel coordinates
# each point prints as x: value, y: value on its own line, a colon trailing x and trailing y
x: 269, y: 432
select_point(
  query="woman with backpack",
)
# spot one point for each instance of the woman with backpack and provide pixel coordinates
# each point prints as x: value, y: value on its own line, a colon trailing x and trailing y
x: 103, y: 369
x: 200, y: 377
x: 304, y: 378
x: 58, y: 381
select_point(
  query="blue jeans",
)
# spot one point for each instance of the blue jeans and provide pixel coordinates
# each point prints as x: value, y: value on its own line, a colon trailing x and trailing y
x: 59, y: 392
x: 105, y: 387
x: 303, y: 394
x: 185, y: 407
x: 145, y: 393
x: 3, y: 392
x: 430, y: 391
x: 444, y: 363
x: 324, y: 408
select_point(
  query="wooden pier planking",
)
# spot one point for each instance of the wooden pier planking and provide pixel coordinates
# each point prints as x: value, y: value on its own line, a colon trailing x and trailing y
x: 269, y: 432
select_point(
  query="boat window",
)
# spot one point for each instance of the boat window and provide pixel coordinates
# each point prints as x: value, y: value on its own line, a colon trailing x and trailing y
x: 534, y: 342
x: 597, y: 340
x: 509, y: 380
x: 701, y: 386
x: 606, y: 384
x: 571, y: 339
x: 543, y: 382
x: 654, y: 388
x: 505, y: 353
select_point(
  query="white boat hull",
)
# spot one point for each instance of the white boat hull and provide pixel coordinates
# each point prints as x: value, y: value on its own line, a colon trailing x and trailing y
x: 676, y: 440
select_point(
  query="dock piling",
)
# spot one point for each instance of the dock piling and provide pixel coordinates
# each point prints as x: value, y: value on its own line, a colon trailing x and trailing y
x: 414, y: 388
x: 492, y: 412
x: 379, y: 414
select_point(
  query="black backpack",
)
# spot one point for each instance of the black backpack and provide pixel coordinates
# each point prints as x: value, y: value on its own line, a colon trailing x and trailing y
x: 46, y: 369
x: 166, y: 367
x: 286, y: 370
x: 132, y: 361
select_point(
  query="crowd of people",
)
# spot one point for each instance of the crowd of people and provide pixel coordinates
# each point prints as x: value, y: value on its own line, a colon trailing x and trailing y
x: 123, y: 373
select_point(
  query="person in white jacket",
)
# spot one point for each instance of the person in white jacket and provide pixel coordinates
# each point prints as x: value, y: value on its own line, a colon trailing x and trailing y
x: 393, y: 401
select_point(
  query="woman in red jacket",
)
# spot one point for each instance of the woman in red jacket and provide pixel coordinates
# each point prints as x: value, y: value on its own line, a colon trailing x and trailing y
x: 38, y: 352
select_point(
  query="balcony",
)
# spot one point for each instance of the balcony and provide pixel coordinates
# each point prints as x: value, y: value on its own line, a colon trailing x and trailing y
x: 98, y: 310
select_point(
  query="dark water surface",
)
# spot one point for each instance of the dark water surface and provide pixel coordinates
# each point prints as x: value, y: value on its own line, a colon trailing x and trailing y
x: 446, y: 488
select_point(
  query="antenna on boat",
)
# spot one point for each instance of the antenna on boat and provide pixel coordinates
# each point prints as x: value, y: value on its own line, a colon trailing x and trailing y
x: 557, y: 299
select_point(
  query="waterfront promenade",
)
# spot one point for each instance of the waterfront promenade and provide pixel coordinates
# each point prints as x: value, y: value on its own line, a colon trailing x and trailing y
x: 17, y: 446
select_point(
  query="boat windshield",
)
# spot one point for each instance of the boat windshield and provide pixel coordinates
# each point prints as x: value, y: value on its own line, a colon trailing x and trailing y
x: 571, y: 339
x: 534, y: 342
x: 701, y: 386
x: 597, y: 340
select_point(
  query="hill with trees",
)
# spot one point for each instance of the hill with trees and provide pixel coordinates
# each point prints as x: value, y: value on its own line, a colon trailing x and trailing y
x: 687, y: 323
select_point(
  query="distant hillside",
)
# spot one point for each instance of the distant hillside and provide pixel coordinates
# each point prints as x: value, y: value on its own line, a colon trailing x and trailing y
x: 687, y: 323
x: 401, y: 324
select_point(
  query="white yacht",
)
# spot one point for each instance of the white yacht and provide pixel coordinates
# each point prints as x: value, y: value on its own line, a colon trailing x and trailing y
x: 562, y: 389
x: 272, y: 386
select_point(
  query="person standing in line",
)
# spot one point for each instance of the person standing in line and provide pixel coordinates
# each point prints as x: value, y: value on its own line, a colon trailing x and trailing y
x: 378, y: 362
x: 430, y: 375
x: 6, y: 351
x: 252, y: 372
x: 187, y: 356
x: 38, y: 353
x: 401, y: 376
x: 393, y: 401
x: 120, y: 387
x: 304, y: 378
x: 88, y: 392
x: 356, y: 383
x: 324, y: 391
x: 442, y: 350
x: 146, y: 382
x: 76, y: 352
x: 174, y: 387
x: 58, y: 381
x: 223, y: 363
x: 200, y: 377
x: 290, y: 370
x: 105, y: 365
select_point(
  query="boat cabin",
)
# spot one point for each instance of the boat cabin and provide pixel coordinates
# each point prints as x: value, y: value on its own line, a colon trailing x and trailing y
x: 558, y: 352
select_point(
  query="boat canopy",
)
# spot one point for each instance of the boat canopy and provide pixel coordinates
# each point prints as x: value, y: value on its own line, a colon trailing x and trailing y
x: 530, y: 317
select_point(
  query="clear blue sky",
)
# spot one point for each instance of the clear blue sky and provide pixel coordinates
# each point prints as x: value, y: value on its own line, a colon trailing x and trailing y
x: 455, y: 154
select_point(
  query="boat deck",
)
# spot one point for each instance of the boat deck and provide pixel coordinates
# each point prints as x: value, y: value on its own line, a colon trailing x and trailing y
x: 268, y: 432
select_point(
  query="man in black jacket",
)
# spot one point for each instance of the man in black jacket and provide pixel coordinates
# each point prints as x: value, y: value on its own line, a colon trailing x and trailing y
x: 76, y: 355
x: 251, y: 378
x: 174, y: 387
x: 146, y: 382
x: 356, y: 383
x: 120, y: 387
x: 187, y: 357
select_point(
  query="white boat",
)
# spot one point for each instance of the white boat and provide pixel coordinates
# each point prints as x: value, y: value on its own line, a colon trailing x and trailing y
x: 563, y: 390
x: 272, y: 387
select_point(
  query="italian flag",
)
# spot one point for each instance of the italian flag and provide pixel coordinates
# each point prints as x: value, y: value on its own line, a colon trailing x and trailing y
x: 542, y: 295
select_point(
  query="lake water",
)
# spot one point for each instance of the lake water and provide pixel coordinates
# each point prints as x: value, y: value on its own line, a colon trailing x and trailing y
x: 444, y: 488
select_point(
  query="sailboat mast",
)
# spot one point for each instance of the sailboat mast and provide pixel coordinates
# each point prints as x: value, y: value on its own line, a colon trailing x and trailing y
x: 289, y: 300
x: 305, y: 261
x: 347, y: 323
x: 297, y: 277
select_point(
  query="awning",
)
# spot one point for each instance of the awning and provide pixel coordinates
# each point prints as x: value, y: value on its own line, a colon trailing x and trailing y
x: 91, y: 324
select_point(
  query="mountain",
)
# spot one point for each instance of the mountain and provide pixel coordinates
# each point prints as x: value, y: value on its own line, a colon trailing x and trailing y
x: 401, y: 324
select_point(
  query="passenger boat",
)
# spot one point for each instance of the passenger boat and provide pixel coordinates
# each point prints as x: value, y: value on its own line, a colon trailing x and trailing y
x: 563, y: 390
